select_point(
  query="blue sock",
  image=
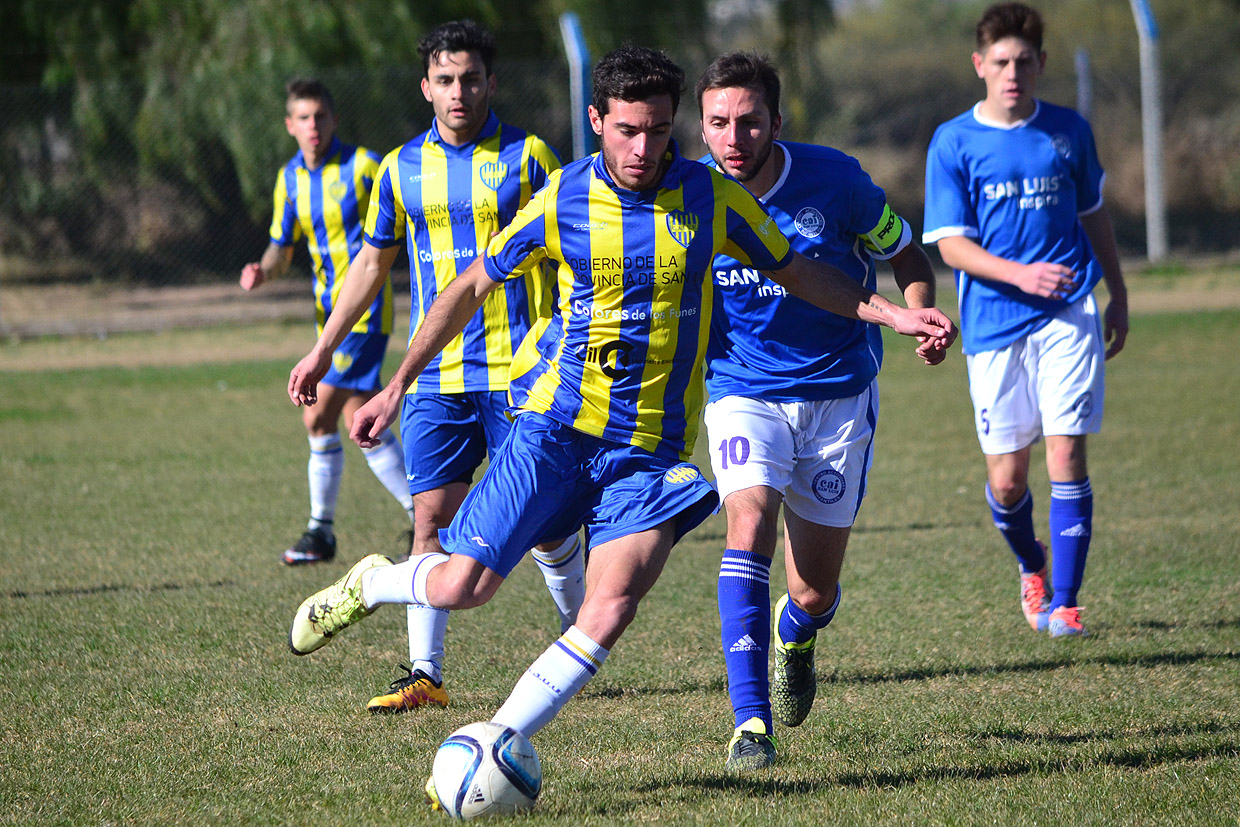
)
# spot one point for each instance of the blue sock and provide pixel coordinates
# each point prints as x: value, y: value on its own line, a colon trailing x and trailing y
x: 745, y: 622
x: 1072, y: 523
x: 1015, y: 523
x: 797, y: 625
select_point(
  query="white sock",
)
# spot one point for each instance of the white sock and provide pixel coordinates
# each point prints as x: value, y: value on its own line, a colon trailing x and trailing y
x: 388, y: 463
x: 557, y: 675
x: 563, y: 569
x: 325, y: 469
x: 427, y: 626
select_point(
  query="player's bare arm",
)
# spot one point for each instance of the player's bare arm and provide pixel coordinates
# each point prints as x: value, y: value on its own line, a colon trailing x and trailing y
x: 914, y: 276
x: 829, y: 288
x: 363, y: 281
x: 273, y: 264
x: 1042, y: 278
x: 446, y: 318
x: 1097, y: 226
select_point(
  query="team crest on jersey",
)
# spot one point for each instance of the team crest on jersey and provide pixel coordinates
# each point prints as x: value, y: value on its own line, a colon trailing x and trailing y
x: 493, y: 173
x: 809, y: 222
x: 681, y: 474
x: 342, y: 361
x: 1062, y: 145
x: 829, y: 486
x: 683, y: 226
x: 338, y: 190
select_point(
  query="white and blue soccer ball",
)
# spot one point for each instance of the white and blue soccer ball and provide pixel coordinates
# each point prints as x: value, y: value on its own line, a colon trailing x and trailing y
x: 486, y: 769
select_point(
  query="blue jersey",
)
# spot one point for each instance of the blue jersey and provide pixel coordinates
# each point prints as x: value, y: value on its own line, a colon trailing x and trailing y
x: 1018, y: 191
x: 449, y: 201
x: 767, y: 344
x: 327, y: 207
x: 622, y: 357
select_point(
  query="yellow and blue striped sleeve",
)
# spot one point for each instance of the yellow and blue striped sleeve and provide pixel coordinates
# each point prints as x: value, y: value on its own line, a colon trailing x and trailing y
x: 285, y: 229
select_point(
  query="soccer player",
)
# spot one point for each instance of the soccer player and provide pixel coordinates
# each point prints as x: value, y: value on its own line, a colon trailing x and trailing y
x: 606, y: 392
x: 448, y: 191
x: 793, y: 394
x: 322, y: 195
x: 1014, y: 201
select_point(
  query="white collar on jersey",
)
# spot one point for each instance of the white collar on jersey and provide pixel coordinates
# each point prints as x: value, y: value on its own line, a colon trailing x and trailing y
x: 984, y: 121
x: 783, y: 175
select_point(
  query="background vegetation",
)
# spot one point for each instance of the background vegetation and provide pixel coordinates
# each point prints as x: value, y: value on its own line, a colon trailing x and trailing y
x: 139, y: 139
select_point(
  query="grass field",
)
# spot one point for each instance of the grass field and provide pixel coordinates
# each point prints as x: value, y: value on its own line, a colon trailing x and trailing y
x: 145, y: 678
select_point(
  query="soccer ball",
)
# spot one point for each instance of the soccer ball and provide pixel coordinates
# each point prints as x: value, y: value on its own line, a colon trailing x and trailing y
x: 486, y: 769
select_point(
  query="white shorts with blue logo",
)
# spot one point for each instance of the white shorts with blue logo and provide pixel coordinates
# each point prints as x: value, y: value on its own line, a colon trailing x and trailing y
x: 816, y: 453
x: 1047, y: 383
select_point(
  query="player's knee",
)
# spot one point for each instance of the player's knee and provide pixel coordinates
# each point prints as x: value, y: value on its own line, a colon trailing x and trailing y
x: 751, y: 528
x: 1007, y: 490
x: 604, y: 618
x: 814, y: 600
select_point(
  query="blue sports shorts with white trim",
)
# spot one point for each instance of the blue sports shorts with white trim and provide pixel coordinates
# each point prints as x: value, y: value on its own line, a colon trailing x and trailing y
x: 549, y: 480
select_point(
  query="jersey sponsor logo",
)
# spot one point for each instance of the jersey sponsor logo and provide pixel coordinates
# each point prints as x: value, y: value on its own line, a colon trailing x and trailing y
x: 746, y: 276
x: 425, y: 176
x: 431, y: 256
x: 1062, y: 145
x: 602, y: 357
x: 683, y: 226
x: 829, y: 486
x: 587, y: 226
x: 681, y: 474
x: 764, y: 229
x: 493, y: 173
x: 337, y: 190
x: 809, y: 222
x: 1034, y: 193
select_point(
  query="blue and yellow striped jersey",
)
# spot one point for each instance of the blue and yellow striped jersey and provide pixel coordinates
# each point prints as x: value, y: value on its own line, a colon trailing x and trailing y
x: 327, y: 207
x: 449, y: 201
x: 622, y: 356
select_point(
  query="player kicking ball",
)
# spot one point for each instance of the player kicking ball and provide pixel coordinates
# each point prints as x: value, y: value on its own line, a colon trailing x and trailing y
x: 1014, y: 201
x: 794, y: 396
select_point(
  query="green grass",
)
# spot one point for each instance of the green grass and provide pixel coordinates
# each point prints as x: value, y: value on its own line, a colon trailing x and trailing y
x: 145, y: 678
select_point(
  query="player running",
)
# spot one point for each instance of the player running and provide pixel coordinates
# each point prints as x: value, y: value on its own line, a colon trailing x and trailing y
x: 1014, y: 201
x: 447, y: 192
x: 322, y: 195
x: 606, y: 392
x: 794, y: 395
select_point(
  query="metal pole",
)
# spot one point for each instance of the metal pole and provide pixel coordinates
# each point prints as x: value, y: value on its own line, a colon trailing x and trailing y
x: 578, y: 79
x: 1084, y: 85
x: 1151, y: 131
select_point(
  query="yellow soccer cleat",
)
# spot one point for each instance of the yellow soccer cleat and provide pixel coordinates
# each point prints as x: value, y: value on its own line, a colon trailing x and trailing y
x: 414, y: 690
x: 327, y: 612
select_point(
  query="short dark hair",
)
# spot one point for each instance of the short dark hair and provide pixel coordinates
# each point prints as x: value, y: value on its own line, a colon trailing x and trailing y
x: 635, y: 73
x: 458, y: 36
x: 742, y: 70
x: 308, y: 89
x: 1005, y: 20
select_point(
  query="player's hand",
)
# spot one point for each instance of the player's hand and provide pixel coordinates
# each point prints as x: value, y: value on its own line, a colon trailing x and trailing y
x: 1115, y: 326
x: 303, y: 379
x: 930, y: 351
x: 251, y: 276
x: 929, y: 325
x: 375, y: 417
x: 1042, y: 278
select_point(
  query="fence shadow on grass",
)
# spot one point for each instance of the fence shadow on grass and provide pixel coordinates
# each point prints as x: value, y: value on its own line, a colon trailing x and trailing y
x: 113, y: 588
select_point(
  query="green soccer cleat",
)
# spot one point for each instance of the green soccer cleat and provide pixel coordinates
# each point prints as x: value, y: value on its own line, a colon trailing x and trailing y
x: 795, y: 682
x: 326, y: 612
x: 751, y: 747
x: 415, y: 689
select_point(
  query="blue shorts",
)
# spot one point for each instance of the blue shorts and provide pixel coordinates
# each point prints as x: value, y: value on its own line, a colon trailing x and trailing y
x: 446, y: 436
x: 550, y: 480
x: 357, y: 362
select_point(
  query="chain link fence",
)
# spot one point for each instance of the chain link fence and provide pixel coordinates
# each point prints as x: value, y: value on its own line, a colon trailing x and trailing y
x: 94, y: 228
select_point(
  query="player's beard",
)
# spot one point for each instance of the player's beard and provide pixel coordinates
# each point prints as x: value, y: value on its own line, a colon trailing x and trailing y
x: 760, y: 159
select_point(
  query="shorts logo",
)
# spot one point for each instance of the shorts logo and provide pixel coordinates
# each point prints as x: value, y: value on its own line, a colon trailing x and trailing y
x: 1062, y: 145
x: 337, y: 190
x: 681, y: 474
x: 809, y: 222
x: 493, y: 173
x: 683, y: 226
x: 342, y: 361
x: 1084, y: 405
x: 829, y: 486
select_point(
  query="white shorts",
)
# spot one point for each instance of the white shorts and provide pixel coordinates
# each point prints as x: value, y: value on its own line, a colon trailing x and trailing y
x: 815, y: 453
x: 1047, y: 383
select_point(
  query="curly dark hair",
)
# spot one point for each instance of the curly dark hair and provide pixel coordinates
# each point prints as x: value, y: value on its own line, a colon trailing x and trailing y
x: 635, y: 73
